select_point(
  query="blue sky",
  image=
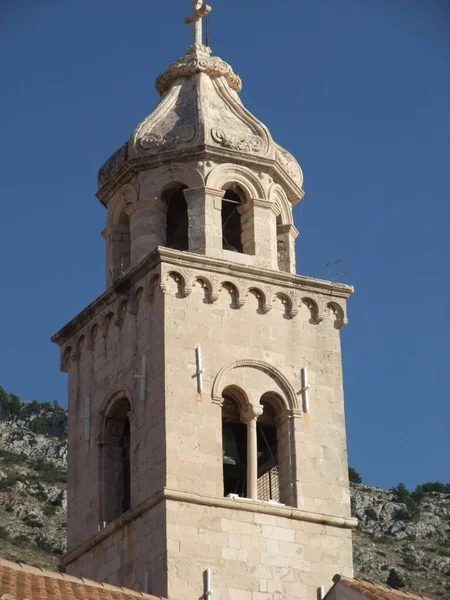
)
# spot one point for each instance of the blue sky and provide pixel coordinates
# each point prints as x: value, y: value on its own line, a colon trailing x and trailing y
x: 358, y: 91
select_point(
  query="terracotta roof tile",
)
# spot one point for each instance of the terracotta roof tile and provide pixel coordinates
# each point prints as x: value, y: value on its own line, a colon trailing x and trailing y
x: 375, y: 591
x: 24, y: 582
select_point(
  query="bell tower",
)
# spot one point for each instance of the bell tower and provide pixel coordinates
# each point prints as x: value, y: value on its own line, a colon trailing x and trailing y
x: 206, y: 412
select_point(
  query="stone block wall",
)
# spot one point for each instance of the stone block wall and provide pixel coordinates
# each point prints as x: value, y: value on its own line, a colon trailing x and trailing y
x: 252, y: 555
x: 125, y: 551
x: 103, y: 358
x: 257, y: 330
x: 251, y: 333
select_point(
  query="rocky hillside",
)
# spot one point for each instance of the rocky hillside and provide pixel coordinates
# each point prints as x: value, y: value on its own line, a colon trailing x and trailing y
x: 33, y: 460
x: 411, y: 537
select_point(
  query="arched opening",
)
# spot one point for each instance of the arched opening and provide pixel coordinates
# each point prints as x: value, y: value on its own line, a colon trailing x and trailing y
x: 115, y: 462
x: 231, y: 219
x: 234, y: 446
x: 177, y: 230
x: 267, y: 450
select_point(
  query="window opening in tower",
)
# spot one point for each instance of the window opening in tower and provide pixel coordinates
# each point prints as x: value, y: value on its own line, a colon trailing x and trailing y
x: 268, y: 476
x: 234, y: 440
x: 177, y: 236
x: 231, y: 222
x: 126, y: 468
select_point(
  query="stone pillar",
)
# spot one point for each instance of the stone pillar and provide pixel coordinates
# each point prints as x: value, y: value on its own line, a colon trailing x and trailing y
x: 205, y: 220
x: 264, y: 232
x: 148, y: 228
x: 117, y: 238
x: 287, y: 457
x: 286, y: 235
x: 251, y: 416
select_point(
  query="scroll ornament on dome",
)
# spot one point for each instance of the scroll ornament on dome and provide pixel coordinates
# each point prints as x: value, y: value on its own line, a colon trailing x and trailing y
x: 236, y: 141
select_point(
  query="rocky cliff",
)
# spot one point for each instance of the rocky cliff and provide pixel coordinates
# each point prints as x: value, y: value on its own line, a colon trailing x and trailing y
x: 413, y: 539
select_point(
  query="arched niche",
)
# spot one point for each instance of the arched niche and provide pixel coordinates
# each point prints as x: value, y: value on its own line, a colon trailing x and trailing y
x: 115, y: 457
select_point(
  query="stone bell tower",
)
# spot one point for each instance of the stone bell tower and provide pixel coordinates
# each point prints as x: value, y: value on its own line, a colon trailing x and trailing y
x: 206, y: 415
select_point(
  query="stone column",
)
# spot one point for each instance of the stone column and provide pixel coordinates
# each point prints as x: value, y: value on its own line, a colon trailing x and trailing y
x: 205, y: 220
x: 286, y: 235
x: 148, y: 228
x: 264, y: 232
x: 117, y: 251
x: 250, y: 418
x: 287, y: 457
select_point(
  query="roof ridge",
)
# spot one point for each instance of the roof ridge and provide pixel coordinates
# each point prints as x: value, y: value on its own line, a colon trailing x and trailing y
x: 400, y: 593
x: 32, y: 570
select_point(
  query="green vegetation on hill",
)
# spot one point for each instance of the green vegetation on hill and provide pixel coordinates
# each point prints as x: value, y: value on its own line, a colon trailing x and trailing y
x: 43, y: 418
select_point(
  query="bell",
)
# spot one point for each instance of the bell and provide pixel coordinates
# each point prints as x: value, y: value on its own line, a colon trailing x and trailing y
x: 230, y: 449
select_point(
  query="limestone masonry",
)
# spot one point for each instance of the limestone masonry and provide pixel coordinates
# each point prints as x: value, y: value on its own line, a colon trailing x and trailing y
x: 206, y: 409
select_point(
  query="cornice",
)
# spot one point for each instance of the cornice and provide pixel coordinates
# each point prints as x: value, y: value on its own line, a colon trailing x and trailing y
x: 202, y: 152
x: 299, y: 282
x: 189, y: 260
x: 240, y: 504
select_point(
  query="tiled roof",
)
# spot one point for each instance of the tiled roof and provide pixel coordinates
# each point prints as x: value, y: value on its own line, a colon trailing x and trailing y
x: 24, y: 582
x: 375, y: 591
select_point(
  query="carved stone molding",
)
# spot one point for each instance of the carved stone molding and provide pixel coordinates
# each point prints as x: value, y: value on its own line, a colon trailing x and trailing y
x: 291, y: 397
x: 113, y: 165
x: 236, y: 141
x: 197, y: 60
x: 290, y: 165
x: 155, y: 141
x: 182, y: 277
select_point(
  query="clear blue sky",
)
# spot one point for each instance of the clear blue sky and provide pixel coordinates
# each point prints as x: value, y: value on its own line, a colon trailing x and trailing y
x: 358, y: 91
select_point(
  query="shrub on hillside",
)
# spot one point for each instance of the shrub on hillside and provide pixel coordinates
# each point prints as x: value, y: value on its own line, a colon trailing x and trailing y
x: 48, y: 473
x: 395, y: 580
x: 4, y: 533
x: 47, y: 418
x: 10, y: 405
x: 432, y: 486
x: 354, y: 476
x: 404, y: 496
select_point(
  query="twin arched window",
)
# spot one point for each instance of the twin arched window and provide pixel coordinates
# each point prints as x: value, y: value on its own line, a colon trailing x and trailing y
x: 270, y: 452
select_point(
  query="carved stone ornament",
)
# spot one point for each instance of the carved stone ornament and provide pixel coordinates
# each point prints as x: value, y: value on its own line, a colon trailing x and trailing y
x: 290, y: 165
x: 156, y: 141
x: 112, y: 165
x: 197, y: 60
x: 236, y: 141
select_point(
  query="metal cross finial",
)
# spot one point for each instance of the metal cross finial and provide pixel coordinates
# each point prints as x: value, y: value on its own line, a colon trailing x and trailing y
x: 200, y: 10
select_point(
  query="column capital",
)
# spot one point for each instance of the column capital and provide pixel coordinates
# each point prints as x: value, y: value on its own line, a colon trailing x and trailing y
x: 193, y: 194
x: 290, y: 229
x: 252, y: 412
x: 110, y: 229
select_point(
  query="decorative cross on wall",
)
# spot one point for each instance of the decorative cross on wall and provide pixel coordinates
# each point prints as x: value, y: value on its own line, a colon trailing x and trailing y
x: 87, y: 418
x: 143, y: 376
x: 200, y: 10
x: 304, y: 391
x: 207, y: 590
x: 199, y: 370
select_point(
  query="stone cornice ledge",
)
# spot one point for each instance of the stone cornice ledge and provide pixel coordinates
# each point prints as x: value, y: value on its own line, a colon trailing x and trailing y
x: 244, y: 504
x: 190, y: 260
x: 266, y: 508
x: 219, y: 265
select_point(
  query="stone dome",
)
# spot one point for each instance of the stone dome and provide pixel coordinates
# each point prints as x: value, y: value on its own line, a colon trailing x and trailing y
x: 200, y: 114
